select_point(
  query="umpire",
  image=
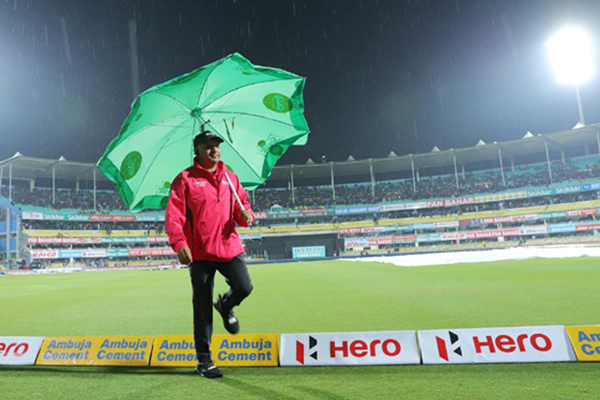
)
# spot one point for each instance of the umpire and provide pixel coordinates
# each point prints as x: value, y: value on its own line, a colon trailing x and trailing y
x: 200, y: 221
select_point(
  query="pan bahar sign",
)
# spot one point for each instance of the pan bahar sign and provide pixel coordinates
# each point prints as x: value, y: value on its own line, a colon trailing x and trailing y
x: 308, y: 252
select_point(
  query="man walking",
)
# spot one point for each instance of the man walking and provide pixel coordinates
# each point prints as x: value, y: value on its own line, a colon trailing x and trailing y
x: 200, y: 221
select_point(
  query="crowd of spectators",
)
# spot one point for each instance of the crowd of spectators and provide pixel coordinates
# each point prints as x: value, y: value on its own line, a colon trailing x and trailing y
x: 106, y: 200
x: 490, y: 181
x: 427, y: 188
x: 158, y: 227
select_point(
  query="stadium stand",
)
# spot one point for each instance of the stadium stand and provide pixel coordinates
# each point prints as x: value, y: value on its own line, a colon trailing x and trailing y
x: 66, y: 214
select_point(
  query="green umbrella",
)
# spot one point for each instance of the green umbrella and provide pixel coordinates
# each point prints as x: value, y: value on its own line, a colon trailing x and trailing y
x: 257, y: 111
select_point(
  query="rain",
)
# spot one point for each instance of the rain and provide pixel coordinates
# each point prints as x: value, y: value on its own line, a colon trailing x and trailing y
x: 382, y: 75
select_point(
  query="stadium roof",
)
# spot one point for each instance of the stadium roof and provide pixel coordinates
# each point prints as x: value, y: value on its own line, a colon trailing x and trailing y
x: 511, y: 150
x: 29, y: 168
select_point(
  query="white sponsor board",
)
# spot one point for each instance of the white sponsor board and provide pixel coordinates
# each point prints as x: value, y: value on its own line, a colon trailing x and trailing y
x: 349, y: 348
x: 496, y: 345
x: 33, y: 215
x: 15, y: 350
x: 50, y: 253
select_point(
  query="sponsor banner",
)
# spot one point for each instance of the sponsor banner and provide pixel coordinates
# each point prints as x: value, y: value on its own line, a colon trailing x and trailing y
x: 174, y: 351
x: 96, y: 350
x: 483, y: 234
x: 158, y: 239
x: 354, y: 210
x: 250, y: 236
x: 403, y: 206
x: 351, y: 231
x: 308, y: 251
x: 92, y: 217
x: 446, y: 224
x: 591, y: 186
x: 93, y: 253
x: 101, y: 253
x: 53, y: 253
x: 151, y: 251
x: 568, y: 189
x: 78, y: 217
x: 349, y: 348
x: 65, y: 240
x: 117, y: 252
x: 585, y: 341
x: 435, y: 203
x: 429, y: 237
x: 557, y: 228
x: 284, y: 213
x: 54, y: 217
x: 579, y: 213
x: 152, y: 218
x: 70, y: 253
x: 135, y: 239
x: 496, y: 345
x: 19, y: 350
x: 356, y: 242
x: 513, y: 218
x: 428, y: 225
x: 460, y: 201
x: 533, y: 230
x: 539, y: 192
x: 555, y: 214
x: 315, y: 211
x: 32, y: 215
x: 587, y: 227
x: 111, y: 217
x: 259, y: 350
x: 260, y: 215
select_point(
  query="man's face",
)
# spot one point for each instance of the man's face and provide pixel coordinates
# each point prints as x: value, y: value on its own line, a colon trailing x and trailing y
x: 209, y: 153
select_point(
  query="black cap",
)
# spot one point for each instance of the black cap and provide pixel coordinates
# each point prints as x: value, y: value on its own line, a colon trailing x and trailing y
x: 204, y: 136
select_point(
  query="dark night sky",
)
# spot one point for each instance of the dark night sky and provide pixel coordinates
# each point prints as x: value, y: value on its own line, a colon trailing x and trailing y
x: 382, y: 75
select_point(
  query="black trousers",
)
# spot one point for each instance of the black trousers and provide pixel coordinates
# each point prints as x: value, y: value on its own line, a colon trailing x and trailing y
x: 202, y: 274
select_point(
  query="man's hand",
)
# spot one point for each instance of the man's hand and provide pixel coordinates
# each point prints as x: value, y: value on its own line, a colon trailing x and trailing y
x: 247, y: 216
x: 185, y: 255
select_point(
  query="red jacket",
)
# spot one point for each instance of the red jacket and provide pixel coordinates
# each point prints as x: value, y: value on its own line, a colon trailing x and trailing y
x: 202, y: 212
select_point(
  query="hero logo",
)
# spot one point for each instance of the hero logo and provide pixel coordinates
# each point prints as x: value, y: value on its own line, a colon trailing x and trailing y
x: 17, y: 350
x: 507, y: 344
x: 443, y: 350
x: 360, y: 348
x: 312, y: 342
x: 355, y: 348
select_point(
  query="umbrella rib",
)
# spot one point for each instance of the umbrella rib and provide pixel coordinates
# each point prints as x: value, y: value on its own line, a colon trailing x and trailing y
x: 243, y: 86
x: 221, y: 61
x: 143, y: 178
x: 252, y: 115
x: 243, y: 159
x: 177, y: 101
x: 153, y: 124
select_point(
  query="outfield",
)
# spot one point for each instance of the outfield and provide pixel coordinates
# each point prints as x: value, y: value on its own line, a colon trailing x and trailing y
x: 330, y: 296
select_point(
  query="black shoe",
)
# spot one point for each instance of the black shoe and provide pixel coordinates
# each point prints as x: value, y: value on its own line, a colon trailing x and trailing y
x: 208, y: 370
x: 230, y: 321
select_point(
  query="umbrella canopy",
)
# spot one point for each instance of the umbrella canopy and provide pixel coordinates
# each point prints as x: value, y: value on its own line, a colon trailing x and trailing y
x: 257, y: 111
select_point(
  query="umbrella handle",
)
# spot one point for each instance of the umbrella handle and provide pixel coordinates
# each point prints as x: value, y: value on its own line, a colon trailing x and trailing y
x: 234, y: 192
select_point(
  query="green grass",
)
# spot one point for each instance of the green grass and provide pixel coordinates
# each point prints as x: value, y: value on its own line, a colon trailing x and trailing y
x: 332, y: 296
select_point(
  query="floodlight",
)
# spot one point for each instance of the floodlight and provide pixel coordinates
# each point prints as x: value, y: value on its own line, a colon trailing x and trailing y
x: 570, y: 53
